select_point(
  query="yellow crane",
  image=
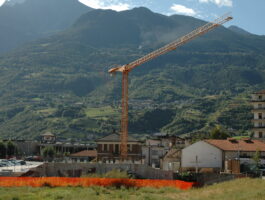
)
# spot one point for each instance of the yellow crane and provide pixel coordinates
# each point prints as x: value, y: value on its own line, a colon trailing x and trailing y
x: 125, y: 69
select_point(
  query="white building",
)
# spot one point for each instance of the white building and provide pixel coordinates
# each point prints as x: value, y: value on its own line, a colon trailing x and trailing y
x: 214, y: 153
x: 258, y: 102
x: 201, y: 155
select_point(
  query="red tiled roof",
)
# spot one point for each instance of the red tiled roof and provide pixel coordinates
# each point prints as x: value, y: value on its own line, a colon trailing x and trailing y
x: 238, y: 145
x: 85, y: 153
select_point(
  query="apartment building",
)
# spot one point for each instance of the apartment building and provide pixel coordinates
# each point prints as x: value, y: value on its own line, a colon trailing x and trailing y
x: 258, y: 102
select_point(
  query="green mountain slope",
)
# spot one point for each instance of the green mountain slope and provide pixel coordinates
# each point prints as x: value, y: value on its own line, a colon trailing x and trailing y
x: 32, y: 19
x: 239, y: 30
x: 61, y: 83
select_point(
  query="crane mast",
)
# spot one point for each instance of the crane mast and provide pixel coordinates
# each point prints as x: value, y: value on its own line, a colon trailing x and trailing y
x: 125, y: 69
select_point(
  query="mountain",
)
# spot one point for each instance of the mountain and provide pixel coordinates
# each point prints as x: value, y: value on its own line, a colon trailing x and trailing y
x: 239, y: 30
x: 107, y: 28
x: 60, y: 83
x: 23, y: 21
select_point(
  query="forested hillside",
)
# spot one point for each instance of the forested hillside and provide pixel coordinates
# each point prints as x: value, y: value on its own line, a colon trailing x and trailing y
x: 61, y: 84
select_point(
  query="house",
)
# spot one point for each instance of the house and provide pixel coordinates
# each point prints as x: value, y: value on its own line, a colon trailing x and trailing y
x: 156, y: 149
x: 84, y: 156
x: 258, y: 102
x: 152, y: 154
x: 48, y: 138
x: 171, y: 161
x: 214, y: 153
x: 153, y: 142
x: 108, y: 149
x: 170, y: 141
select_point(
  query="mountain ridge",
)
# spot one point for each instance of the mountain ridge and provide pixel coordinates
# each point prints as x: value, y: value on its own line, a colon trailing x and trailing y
x: 57, y: 83
x: 34, y: 19
x: 239, y: 30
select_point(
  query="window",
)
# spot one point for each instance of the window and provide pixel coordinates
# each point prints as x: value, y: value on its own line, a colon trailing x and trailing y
x: 259, y: 105
x: 129, y: 146
x: 260, y: 134
x: 260, y: 124
x: 105, y: 147
x: 260, y: 115
x: 111, y: 148
x: 116, y: 148
x: 100, y: 147
x: 154, y: 152
x: 260, y: 97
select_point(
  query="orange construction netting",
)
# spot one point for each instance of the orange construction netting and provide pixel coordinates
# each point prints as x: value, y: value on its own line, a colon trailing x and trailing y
x: 86, y: 182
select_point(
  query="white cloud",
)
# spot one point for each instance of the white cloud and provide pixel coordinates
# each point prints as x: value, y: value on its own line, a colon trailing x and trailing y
x: 106, y: 4
x: 2, y: 2
x: 180, y: 9
x: 220, y: 3
x: 118, y: 7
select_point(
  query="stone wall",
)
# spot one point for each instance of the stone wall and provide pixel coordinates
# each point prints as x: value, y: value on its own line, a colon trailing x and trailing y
x: 79, y: 169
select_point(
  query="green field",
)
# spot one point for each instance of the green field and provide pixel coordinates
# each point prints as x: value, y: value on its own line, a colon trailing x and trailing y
x: 101, y: 113
x: 241, y: 189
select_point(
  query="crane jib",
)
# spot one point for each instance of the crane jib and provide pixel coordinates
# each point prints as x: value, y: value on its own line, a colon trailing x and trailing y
x: 172, y: 46
x: 125, y: 69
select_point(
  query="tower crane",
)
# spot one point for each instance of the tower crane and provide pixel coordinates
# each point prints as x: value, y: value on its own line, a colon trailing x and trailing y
x: 125, y: 69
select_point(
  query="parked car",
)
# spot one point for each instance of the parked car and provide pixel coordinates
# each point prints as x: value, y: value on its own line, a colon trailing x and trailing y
x: 34, y: 158
x: 3, y: 164
x: 18, y: 162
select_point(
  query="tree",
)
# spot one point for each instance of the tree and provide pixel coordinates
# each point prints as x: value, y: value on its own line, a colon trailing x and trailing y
x: 48, y: 153
x: 11, y: 149
x: 218, y: 133
x: 256, y: 158
x: 2, y: 150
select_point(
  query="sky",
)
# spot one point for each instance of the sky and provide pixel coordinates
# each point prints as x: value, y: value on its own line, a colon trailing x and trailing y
x: 248, y: 14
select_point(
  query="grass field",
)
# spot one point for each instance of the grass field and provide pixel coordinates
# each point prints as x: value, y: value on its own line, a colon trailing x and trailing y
x: 241, y: 189
x: 101, y: 113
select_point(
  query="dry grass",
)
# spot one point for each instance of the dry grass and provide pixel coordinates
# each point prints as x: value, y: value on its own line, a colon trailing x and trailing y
x: 241, y: 189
